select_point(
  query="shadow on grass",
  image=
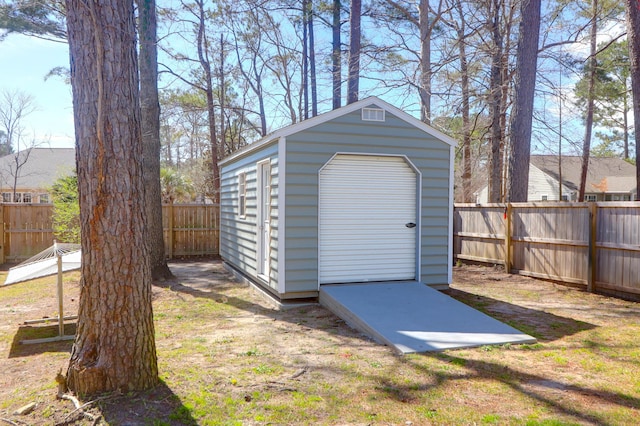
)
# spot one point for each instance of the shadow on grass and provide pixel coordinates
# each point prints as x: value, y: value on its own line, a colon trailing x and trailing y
x: 157, y: 406
x: 534, y: 322
x: 548, y: 391
x: 30, y: 332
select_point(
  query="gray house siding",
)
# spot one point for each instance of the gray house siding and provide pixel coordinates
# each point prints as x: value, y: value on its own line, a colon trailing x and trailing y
x: 238, y: 235
x: 308, y: 150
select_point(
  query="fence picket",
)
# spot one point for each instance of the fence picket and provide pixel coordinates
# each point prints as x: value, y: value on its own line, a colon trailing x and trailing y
x: 594, y: 244
x: 189, y: 230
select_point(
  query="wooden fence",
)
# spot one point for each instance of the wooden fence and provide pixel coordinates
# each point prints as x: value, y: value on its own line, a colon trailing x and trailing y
x: 593, y: 244
x: 189, y: 230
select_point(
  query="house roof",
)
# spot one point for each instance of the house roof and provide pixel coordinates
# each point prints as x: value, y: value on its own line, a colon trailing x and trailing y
x: 603, y: 174
x: 347, y: 109
x: 42, y: 167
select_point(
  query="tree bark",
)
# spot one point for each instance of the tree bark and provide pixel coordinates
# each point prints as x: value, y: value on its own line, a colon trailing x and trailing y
x: 522, y: 110
x: 495, y: 158
x: 586, y: 147
x: 305, y: 60
x: 312, y: 62
x: 336, y: 64
x: 353, y: 79
x: 203, y: 57
x: 114, y: 347
x: 150, y: 124
x: 633, y: 36
x: 425, y: 62
x: 466, y: 121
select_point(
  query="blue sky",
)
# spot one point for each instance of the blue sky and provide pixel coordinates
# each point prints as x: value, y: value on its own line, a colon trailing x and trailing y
x: 24, y: 63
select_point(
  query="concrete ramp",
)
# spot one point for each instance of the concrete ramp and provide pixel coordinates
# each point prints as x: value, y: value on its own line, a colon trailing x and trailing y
x: 413, y: 317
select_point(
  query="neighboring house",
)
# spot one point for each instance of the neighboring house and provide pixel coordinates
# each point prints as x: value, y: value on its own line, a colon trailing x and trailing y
x: 363, y: 193
x: 608, y: 179
x: 36, y: 170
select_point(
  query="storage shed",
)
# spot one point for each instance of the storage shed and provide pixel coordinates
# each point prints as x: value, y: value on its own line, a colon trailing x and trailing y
x: 363, y: 193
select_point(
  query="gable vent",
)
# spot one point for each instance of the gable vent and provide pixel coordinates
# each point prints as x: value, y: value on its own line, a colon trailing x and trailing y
x: 372, y: 114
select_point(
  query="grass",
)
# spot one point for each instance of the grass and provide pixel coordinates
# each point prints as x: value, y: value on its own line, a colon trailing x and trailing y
x: 232, y: 361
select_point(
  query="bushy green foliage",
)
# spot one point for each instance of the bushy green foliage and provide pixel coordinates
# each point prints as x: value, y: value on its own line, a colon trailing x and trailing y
x: 66, y: 209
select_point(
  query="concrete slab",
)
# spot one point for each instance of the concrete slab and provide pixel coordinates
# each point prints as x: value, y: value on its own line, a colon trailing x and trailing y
x: 412, y: 317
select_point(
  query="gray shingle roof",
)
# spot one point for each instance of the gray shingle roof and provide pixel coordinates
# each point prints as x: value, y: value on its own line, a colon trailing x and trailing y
x: 43, y: 167
x: 603, y: 174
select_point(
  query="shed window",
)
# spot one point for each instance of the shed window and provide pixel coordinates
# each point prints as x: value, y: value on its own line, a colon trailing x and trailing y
x: 545, y: 198
x: 372, y: 114
x: 242, y: 194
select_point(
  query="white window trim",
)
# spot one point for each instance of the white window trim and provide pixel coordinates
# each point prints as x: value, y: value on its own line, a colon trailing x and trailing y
x: 373, y: 114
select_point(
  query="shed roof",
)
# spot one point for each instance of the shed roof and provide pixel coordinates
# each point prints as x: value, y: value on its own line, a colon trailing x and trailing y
x: 605, y: 174
x: 323, y: 118
x: 42, y: 167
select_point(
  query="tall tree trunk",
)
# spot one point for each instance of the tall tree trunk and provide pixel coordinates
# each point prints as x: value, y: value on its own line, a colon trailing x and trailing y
x: 221, y: 95
x: 353, y: 79
x: 466, y: 122
x: 336, y: 61
x: 633, y: 36
x: 114, y: 347
x: 203, y: 57
x: 312, y: 63
x: 150, y: 124
x: 586, y: 147
x: 522, y: 110
x: 425, y: 62
x: 495, y: 158
x: 305, y: 60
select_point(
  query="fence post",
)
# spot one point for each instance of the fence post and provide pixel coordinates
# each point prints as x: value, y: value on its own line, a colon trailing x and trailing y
x: 2, y: 253
x: 507, y: 238
x: 170, y: 231
x: 591, y: 257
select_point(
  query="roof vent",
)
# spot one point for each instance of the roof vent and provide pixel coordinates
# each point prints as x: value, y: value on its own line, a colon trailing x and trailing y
x: 372, y: 114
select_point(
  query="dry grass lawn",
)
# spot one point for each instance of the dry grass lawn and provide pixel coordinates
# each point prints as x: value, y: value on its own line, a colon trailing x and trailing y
x: 227, y: 358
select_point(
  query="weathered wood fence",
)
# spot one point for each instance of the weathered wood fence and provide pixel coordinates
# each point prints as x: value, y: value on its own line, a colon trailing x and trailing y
x: 189, y: 230
x: 593, y: 244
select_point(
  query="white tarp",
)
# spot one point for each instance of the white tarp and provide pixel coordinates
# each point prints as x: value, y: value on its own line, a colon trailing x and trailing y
x: 46, y: 263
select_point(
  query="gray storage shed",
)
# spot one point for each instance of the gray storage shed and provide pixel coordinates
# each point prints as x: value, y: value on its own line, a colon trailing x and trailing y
x: 363, y: 193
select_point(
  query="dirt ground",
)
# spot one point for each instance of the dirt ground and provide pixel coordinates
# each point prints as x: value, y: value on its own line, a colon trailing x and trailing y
x: 242, y: 324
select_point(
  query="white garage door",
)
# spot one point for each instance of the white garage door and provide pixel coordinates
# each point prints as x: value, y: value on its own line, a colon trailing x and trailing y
x: 367, y: 220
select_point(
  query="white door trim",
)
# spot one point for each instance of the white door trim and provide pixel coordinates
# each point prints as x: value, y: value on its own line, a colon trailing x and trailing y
x: 418, y: 206
x: 263, y: 212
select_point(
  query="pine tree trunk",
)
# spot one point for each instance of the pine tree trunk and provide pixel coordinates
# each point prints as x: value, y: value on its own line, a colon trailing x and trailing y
x: 466, y: 122
x: 495, y: 157
x: 522, y: 110
x: 203, y: 57
x: 336, y: 64
x: 305, y: 60
x: 312, y: 63
x: 425, y: 62
x: 114, y: 347
x: 353, y: 79
x: 150, y: 124
x: 633, y: 36
x: 586, y: 147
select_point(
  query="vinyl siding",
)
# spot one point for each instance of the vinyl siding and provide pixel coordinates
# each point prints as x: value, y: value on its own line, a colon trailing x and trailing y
x: 540, y: 184
x: 238, y: 236
x: 308, y: 150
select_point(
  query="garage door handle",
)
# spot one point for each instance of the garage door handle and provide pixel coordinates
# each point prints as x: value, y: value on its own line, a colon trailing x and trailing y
x: 410, y: 225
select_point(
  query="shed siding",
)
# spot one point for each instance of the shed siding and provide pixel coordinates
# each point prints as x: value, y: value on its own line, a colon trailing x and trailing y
x: 238, y: 235
x: 310, y: 149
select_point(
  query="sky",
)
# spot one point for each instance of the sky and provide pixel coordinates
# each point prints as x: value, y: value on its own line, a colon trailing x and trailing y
x: 24, y: 62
